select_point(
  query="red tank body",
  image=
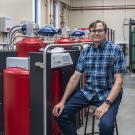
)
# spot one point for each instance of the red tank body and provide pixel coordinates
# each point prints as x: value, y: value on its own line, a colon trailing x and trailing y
x: 28, y: 45
x: 67, y: 41
x: 16, y: 101
x: 56, y: 94
x: 85, y: 39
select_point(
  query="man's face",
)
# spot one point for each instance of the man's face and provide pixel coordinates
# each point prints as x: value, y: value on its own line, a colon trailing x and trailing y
x: 98, y: 33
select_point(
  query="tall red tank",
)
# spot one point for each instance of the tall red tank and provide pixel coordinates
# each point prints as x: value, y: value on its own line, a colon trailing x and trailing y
x: 16, y: 93
x: 85, y: 39
x: 56, y: 94
x: 27, y: 45
x: 67, y: 41
x: 16, y: 101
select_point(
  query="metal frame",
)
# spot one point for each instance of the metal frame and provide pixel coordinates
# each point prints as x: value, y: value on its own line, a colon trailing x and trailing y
x: 131, y: 23
x: 45, y: 77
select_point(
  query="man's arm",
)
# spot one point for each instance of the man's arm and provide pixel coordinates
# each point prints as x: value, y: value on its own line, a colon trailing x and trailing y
x: 71, y: 86
x: 72, y: 83
x: 116, y: 88
x: 112, y: 96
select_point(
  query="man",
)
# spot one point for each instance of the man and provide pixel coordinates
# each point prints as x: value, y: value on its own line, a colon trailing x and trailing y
x: 103, y: 65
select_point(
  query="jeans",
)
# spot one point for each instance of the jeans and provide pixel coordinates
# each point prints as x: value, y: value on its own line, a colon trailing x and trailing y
x: 77, y: 102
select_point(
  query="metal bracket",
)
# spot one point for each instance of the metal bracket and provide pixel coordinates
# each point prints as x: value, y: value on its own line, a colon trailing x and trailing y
x: 40, y: 64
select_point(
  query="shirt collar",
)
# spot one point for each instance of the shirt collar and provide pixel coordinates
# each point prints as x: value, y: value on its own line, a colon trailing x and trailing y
x: 101, y: 46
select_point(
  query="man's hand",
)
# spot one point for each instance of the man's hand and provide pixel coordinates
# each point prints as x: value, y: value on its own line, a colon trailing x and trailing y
x: 57, y: 110
x: 101, y: 110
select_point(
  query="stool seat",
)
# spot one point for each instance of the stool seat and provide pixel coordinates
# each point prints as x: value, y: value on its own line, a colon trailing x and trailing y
x: 91, y: 109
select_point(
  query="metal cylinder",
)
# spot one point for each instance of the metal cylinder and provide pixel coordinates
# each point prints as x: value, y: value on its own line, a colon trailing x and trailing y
x: 16, y: 101
x: 27, y: 45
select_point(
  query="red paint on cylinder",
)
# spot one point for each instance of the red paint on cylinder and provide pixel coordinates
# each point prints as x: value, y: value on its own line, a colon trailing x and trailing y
x: 85, y: 40
x: 67, y: 41
x: 27, y: 45
x: 56, y: 94
x: 16, y: 101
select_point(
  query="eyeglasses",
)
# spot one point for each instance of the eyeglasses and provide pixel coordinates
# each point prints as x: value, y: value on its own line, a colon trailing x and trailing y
x: 99, y: 30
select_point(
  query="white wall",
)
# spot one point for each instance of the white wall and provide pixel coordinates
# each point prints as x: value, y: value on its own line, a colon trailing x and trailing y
x: 113, y: 18
x: 16, y: 9
x: 20, y: 10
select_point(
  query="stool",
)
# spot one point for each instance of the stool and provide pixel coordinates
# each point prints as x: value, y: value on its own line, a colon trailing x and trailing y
x: 93, y: 132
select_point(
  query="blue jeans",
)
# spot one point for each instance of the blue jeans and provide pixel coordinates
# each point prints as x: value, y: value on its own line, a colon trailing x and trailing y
x: 77, y: 102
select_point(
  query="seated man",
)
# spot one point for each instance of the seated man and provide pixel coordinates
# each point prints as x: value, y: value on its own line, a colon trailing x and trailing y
x: 103, y: 65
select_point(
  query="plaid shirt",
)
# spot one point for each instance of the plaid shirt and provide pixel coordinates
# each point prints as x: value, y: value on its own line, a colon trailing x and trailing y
x: 100, y: 65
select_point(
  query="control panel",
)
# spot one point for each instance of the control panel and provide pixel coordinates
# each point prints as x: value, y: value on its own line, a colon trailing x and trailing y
x: 18, y: 62
x: 60, y: 60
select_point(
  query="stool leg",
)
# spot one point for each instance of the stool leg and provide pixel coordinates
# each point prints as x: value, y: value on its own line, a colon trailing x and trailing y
x: 93, y: 123
x: 86, y: 122
x: 117, y: 133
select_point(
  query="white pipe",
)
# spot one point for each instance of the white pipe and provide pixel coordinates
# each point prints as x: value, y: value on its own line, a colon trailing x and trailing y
x: 57, y: 14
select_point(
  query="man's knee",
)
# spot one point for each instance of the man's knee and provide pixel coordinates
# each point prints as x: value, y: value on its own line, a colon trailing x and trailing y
x: 106, y: 126
x: 61, y: 118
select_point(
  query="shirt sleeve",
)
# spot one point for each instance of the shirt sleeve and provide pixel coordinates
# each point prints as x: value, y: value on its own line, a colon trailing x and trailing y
x: 119, y: 61
x: 80, y: 63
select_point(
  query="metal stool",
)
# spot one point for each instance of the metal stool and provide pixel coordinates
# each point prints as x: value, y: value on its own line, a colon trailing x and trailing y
x: 93, y: 132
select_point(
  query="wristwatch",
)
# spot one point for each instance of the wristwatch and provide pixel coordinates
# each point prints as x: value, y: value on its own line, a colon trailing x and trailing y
x: 108, y: 102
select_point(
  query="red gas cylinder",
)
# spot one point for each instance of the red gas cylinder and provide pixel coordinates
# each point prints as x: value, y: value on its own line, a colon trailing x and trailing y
x: 16, y: 101
x: 56, y: 94
x: 27, y: 45
x: 85, y: 40
x: 66, y: 41
x: 17, y: 91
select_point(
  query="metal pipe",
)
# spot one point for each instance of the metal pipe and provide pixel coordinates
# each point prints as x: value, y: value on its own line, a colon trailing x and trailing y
x: 112, y: 7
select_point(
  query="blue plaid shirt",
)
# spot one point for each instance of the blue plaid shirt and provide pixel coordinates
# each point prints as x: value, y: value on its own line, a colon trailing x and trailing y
x: 100, y: 65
